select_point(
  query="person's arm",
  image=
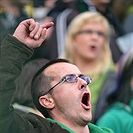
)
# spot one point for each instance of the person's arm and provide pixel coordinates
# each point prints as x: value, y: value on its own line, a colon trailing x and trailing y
x: 15, y: 51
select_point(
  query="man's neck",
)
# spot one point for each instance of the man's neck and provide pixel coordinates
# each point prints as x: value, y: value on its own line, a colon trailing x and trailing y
x: 76, y: 127
x: 81, y: 129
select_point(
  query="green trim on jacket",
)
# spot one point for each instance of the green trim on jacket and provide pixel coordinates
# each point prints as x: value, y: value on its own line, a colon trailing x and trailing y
x: 93, y: 128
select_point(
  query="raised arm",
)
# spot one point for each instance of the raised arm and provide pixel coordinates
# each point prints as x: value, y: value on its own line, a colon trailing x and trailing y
x: 15, y: 51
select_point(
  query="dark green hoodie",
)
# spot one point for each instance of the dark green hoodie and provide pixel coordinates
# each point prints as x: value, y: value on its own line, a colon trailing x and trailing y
x: 13, y: 56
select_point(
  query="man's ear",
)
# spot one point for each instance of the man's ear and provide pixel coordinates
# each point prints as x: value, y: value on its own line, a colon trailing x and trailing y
x: 47, y: 101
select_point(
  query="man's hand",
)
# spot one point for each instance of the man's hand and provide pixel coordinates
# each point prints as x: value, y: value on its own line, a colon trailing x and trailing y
x: 32, y: 33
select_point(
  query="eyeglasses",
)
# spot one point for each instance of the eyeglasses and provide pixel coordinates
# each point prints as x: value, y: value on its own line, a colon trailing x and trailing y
x: 90, y: 32
x: 71, y: 78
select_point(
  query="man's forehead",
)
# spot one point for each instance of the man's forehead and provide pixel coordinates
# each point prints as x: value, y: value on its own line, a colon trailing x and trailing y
x: 62, y: 67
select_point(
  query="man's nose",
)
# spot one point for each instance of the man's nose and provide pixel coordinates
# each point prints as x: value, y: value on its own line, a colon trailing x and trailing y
x: 82, y: 83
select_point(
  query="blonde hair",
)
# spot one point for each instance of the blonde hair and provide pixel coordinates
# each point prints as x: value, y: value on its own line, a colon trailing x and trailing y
x: 76, y: 25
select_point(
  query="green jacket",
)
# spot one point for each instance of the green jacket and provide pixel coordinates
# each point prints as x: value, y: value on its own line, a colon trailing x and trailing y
x: 13, y: 56
x: 119, y: 118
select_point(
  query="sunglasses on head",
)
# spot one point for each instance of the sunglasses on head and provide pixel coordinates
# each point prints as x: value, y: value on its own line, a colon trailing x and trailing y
x: 71, y: 78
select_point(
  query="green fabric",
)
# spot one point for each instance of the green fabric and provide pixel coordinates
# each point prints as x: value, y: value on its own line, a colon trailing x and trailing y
x: 63, y: 126
x: 119, y: 118
x: 96, y: 86
x: 131, y: 105
x: 93, y: 128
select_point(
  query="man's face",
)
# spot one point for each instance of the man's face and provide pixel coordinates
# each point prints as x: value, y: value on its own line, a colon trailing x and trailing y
x: 72, y: 100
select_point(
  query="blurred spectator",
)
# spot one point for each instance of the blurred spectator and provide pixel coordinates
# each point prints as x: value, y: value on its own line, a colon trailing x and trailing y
x: 63, y: 12
x: 22, y: 98
x: 124, y: 43
x: 119, y: 114
x: 104, y: 7
x: 41, y: 8
x: 13, y: 13
x: 87, y: 46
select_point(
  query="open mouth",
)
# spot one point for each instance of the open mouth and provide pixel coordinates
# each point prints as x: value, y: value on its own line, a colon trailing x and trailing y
x: 93, y: 47
x: 86, y: 101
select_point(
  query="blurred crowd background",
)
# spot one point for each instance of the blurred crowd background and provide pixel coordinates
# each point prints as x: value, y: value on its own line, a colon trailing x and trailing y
x: 112, y: 74
x: 118, y: 12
